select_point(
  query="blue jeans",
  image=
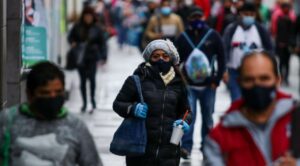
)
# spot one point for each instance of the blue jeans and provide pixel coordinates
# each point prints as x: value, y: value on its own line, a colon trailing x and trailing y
x: 233, y: 86
x: 206, y: 98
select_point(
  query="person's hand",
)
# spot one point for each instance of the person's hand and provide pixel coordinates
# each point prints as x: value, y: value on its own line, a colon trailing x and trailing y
x: 226, y: 77
x: 73, y: 44
x: 213, y: 86
x: 185, y: 126
x: 141, y: 110
x: 286, y: 160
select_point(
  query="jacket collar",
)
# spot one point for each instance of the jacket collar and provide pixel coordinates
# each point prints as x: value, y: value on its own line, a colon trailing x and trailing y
x: 234, y: 117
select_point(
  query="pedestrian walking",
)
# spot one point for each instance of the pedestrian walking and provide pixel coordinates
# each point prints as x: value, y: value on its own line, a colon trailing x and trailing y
x: 165, y: 103
x: 285, y: 40
x: 256, y: 129
x: 240, y: 37
x: 86, y: 39
x: 41, y: 131
x: 225, y: 16
x: 202, y: 55
x: 164, y: 25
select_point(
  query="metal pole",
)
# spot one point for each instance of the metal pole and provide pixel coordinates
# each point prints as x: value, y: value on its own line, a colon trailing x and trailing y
x: 13, y: 61
x: 2, y: 54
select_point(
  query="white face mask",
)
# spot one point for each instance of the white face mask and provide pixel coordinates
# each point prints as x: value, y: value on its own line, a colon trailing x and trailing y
x: 188, y: 2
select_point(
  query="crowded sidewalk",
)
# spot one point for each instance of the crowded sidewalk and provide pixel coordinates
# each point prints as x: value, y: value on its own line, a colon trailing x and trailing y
x: 103, y: 122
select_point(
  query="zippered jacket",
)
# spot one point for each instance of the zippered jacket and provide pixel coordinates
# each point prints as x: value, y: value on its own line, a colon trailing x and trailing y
x: 166, y: 104
x: 239, y: 142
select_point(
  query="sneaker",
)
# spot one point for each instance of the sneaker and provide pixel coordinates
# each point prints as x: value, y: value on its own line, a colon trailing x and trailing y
x: 185, y: 154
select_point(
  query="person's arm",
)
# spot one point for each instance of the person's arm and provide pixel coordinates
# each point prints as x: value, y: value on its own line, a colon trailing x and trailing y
x: 221, y: 59
x: 88, y: 154
x: 73, y: 35
x: 227, y: 37
x: 212, y: 153
x: 126, y: 98
x: 180, y: 48
x: 266, y: 38
x: 180, y: 26
x: 150, y: 30
x: 184, y: 106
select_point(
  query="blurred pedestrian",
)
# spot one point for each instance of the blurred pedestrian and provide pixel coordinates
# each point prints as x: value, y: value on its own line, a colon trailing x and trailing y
x: 225, y: 16
x: 41, y: 131
x: 256, y: 130
x: 205, y: 6
x: 165, y: 25
x: 198, y: 40
x: 165, y: 104
x: 285, y: 39
x: 182, y: 7
x: 240, y: 37
x: 297, y: 49
x: 264, y: 12
x: 277, y: 12
x: 86, y: 36
x: 152, y: 10
x: 106, y: 22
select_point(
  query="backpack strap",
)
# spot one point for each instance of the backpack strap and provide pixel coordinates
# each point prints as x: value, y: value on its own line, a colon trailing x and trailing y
x: 201, y: 42
x: 137, y: 81
x: 204, y: 38
x: 189, y: 40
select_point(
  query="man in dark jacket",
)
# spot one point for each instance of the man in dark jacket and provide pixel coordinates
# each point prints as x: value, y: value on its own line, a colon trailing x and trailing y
x: 241, y: 37
x: 205, y: 91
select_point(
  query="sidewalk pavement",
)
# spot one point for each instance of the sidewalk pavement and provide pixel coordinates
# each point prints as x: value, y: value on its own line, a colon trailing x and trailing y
x: 104, y: 122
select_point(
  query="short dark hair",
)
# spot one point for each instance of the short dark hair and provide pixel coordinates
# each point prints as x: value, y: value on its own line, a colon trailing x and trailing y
x: 264, y: 53
x: 248, y: 6
x: 88, y: 10
x: 40, y: 74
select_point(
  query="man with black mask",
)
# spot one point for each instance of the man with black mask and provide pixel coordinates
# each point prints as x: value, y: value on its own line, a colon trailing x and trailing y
x: 41, y: 131
x: 198, y: 36
x: 241, y: 37
x: 256, y: 129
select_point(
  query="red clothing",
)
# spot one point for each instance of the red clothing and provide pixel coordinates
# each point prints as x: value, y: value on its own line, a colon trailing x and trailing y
x: 276, y: 14
x: 237, y: 144
x: 205, y: 6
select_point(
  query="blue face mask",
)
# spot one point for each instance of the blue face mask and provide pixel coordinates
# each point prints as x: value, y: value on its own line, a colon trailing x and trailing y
x: 166, y: 11
x: 197, y: 24
x: 248, y: 20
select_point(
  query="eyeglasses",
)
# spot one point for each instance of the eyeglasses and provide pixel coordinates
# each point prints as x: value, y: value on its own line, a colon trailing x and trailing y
x: 157, y: 57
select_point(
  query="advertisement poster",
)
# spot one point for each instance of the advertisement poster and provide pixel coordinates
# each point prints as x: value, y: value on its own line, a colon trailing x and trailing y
x: 34, y: 33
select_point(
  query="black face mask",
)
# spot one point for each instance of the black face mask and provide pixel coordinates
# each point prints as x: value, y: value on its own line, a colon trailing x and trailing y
x: 48, y: 107
x: 258, y: 98
x: 162, y: 66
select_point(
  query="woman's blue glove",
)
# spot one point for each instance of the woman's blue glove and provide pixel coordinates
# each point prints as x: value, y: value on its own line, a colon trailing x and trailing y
x: 185, y: 126
x: 140, y: 110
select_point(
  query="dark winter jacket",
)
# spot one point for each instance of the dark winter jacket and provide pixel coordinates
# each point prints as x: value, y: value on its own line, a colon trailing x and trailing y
x: 94, y: 37
x: 230, y: 30
x: 166, y: 104
x: 297, y: 31
x: 285, y: 32
x: 212, y: 47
